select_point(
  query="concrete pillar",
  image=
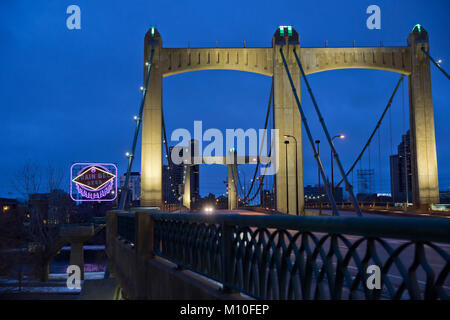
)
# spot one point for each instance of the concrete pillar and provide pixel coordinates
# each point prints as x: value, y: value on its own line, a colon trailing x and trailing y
x: 77, y: 255
x: 76, y: 235
x: 151, y: 160
x: 187, y: 187
x: 423, y: 142
x: 232, y: 192
x: 288, y: 121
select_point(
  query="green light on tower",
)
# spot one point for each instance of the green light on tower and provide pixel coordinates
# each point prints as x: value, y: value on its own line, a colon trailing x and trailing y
x: 419, y: 28
x: 152, y: 30
x: 289, y: 30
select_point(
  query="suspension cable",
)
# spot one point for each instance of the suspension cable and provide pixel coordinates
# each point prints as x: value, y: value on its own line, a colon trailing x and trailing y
x: 379, y: 162
x: 261, y: 182
x: 404, y: 147
x: 169, y: 162
x: 436, y: 64
x: 262, y: 142
x: 263, y: 177
x: 349, y: 187
x: 311, y: 140
x: 124, y: 194
x: 375, y: 130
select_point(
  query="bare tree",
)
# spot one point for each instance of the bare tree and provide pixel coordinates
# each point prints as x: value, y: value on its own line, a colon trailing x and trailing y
x: 54, y: 177
x: 28, y: 179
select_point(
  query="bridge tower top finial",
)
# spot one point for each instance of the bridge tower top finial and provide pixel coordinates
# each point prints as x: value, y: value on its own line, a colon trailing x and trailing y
x: 153, y: 37
x: 285, y: 35
x: 419, y: 34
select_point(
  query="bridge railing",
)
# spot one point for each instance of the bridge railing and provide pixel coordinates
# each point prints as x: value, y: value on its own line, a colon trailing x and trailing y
x: 288, y: 257
x: 126, y: 226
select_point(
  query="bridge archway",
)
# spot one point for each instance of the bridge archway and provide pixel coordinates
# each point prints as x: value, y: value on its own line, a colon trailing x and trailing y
x: 407, y: 60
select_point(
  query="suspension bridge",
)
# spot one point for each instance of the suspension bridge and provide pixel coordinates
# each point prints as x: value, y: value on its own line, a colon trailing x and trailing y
x: 155, y: 254
x: 288, y: 64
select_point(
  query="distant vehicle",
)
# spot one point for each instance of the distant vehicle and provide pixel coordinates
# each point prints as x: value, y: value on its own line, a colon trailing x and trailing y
x: 208, y: 210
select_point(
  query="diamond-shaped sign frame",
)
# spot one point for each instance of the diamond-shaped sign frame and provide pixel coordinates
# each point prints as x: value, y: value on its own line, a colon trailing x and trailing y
x: 105, y: 188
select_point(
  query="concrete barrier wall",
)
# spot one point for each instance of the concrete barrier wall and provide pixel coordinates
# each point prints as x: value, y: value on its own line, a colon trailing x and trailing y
x: 142, y: 275
x: 158, y: 279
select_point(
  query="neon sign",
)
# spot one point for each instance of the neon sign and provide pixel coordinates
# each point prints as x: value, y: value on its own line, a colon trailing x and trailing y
x: 93, y: 182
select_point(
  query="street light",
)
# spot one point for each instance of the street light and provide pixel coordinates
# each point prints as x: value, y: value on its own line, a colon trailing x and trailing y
x: 296, y: 169
x: 318, y: 170
x: 340, y: 136
x: 286, y: 142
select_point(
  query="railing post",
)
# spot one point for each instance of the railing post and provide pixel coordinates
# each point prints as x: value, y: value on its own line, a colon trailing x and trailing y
x: 144, y: 234
x: 227, y: 254
x: 144, y: 248
x: 111, y: 234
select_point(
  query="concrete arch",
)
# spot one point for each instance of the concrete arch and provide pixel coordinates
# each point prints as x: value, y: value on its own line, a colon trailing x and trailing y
x: 260, y: 60
x: 394, y: 59
x: 256, y: 60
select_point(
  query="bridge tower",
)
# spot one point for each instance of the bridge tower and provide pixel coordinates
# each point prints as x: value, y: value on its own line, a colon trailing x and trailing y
x: 151, y: 157
x: 425, y: 185
x: 287, y: 120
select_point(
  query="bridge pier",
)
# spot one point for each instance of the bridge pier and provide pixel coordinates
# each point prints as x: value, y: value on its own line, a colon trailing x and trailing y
x: 425, y: 185
x: 76, y: 236
x: 232, y: 192
x: 187, y: 187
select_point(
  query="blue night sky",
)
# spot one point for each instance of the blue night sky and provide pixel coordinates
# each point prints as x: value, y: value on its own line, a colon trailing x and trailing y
x: 70, y: 95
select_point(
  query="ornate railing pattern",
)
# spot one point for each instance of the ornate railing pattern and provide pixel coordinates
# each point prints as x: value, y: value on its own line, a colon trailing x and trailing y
x: 192, y: 245
x: 280, y: 257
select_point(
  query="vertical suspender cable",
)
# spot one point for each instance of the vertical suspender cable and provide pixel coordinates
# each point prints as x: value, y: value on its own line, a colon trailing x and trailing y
x: 311, y: 140
x: 124, y: 194
x: 390, y: 128
x: 379, y: 162
x: 349, y: 187
x: 404, y: 148
x: 169, y: 162
x: 261, y: 144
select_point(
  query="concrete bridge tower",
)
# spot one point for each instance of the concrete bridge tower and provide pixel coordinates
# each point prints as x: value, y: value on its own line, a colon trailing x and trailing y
x: 425, y: 185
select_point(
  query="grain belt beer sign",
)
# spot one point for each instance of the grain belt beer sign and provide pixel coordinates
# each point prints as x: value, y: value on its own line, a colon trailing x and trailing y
x: 93, y: 182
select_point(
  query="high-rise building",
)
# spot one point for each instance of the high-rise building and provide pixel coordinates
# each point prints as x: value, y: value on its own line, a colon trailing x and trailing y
x: 401, y: 176
x: 170, y: 187
x: 173, y: 175
x: 195, y: 172
x: 134, y: 186
x: 267, y: 199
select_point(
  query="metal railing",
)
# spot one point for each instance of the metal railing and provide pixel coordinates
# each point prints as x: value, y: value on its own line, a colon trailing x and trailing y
x: 126, y: 226
x: 288, y: 257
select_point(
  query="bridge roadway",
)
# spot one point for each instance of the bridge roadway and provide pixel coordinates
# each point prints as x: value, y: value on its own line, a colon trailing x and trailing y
x: 407, y: 257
